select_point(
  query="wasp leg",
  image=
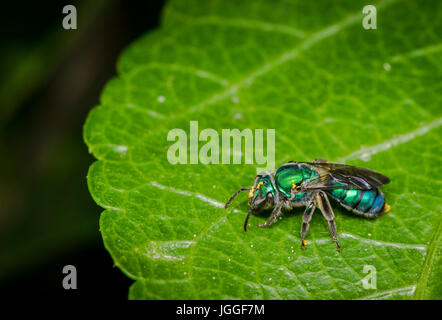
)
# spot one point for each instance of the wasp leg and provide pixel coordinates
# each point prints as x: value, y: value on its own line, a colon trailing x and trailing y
x: 308, y: 213
x: 275, y: 214
x: 294, y: 190
x: 324, y: 205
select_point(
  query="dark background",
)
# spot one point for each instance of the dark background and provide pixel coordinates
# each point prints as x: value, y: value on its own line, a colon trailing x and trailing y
x: 50, y: 78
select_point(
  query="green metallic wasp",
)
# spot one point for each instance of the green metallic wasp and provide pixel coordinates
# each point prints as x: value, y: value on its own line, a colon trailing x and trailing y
x: 298, y: 184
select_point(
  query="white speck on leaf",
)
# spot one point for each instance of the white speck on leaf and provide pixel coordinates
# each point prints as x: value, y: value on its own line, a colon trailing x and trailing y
x: 237, y: 115
x: 120, y: 149
x: 365, y: 157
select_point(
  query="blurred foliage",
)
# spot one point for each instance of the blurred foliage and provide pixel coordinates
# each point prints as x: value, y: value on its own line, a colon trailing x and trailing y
x: 50, y: 79
x: 43, y: 160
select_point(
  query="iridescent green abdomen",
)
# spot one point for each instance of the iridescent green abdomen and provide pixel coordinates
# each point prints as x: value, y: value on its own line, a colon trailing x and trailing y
x: 288, y: 175
x: 365, y: 202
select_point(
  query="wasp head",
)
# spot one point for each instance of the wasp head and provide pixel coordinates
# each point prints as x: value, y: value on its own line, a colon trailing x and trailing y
x: 262, y: 194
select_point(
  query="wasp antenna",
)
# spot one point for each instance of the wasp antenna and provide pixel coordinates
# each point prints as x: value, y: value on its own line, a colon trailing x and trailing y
x: 247, y: 219
x: 234, y: 195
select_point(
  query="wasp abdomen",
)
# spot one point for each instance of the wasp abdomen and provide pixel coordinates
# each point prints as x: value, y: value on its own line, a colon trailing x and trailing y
x: 369, y: 203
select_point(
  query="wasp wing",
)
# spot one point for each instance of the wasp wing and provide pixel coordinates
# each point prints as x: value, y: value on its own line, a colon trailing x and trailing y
x: 333, y: 175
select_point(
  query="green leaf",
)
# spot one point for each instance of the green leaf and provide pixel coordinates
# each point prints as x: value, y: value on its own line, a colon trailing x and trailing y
x: 330, y: 89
